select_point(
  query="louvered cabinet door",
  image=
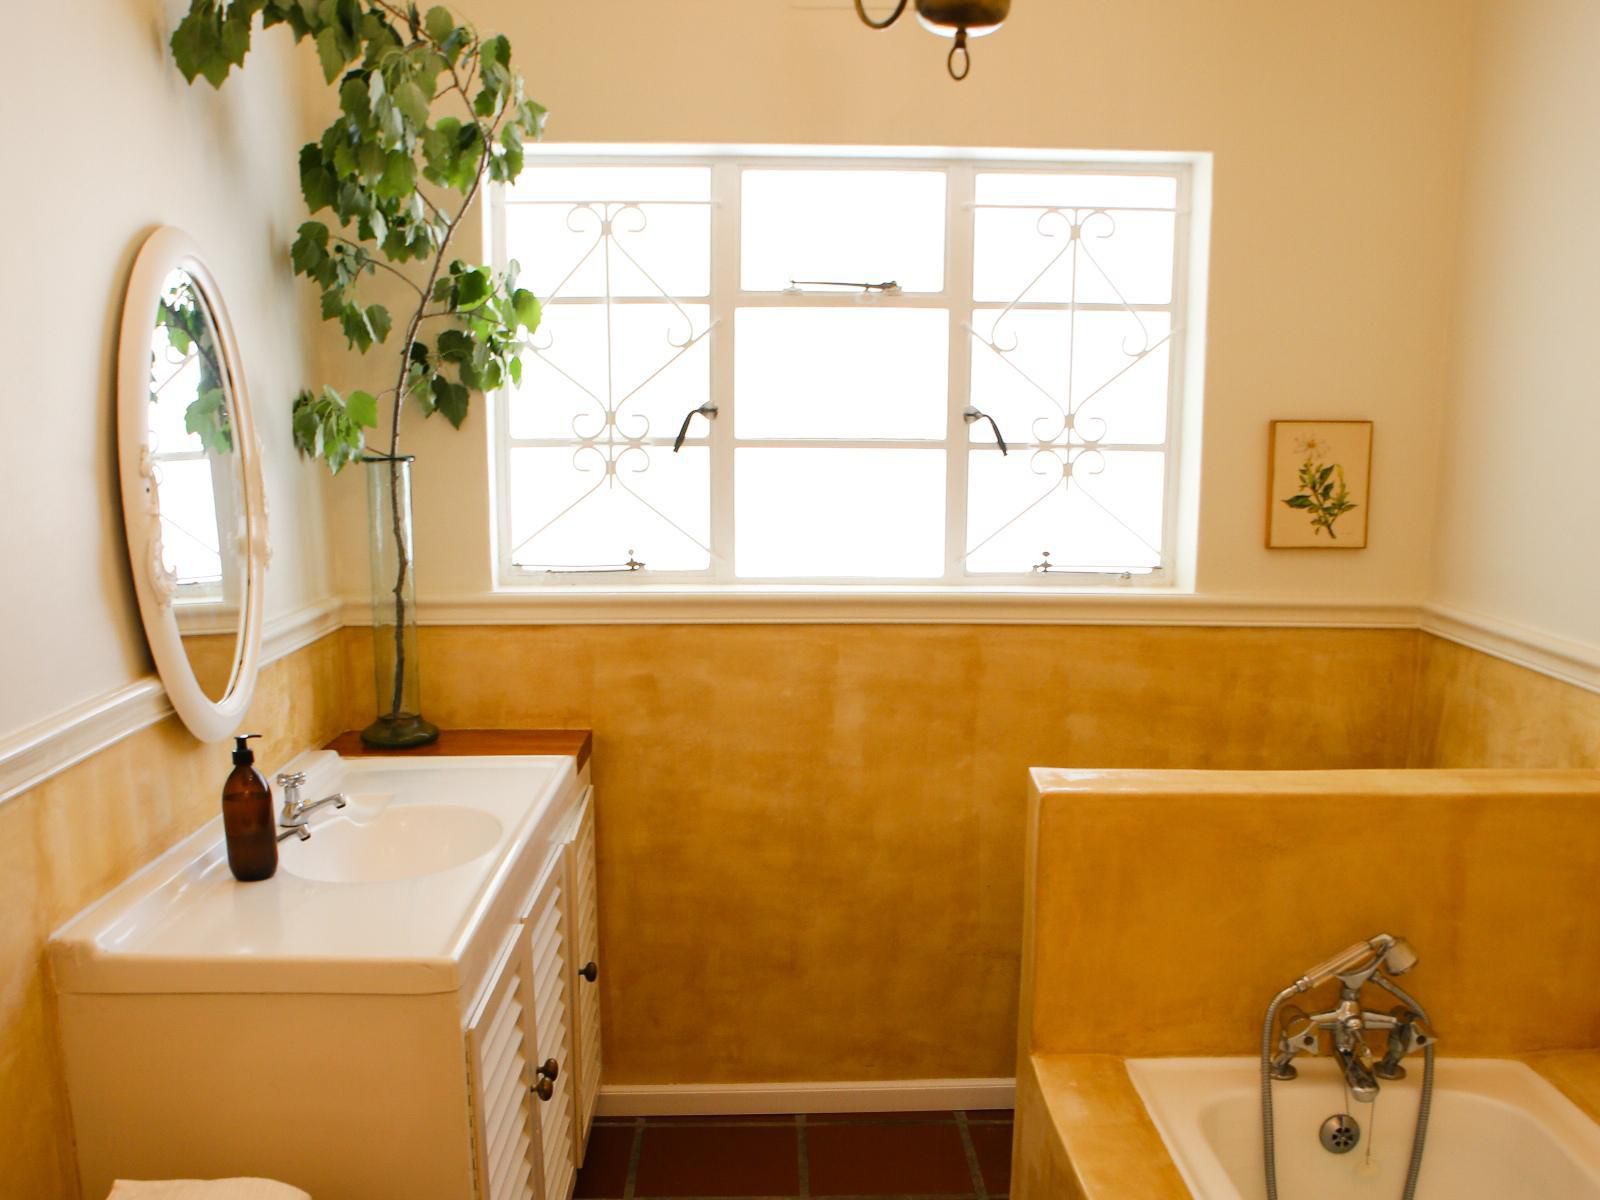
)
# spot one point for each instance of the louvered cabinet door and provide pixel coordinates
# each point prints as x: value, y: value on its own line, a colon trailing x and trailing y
x: 506, y: 1141
x: 550, y: 1032
x: 584, y: 884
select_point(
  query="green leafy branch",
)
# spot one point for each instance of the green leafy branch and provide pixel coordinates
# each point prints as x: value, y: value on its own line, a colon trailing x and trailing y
x: 1323, y: 494
x: 371, y: 170
x: 394, y: 66
x: 189, y: 332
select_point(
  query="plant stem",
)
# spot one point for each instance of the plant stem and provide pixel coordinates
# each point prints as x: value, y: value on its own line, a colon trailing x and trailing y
x: 402, y: 551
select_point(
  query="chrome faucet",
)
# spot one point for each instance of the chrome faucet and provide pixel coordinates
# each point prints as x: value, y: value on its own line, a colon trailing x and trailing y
x: 1348, y: 1024
x: 297, y: 810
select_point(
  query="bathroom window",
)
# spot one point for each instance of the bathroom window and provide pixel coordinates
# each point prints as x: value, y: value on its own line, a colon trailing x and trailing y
x: 769, y: 369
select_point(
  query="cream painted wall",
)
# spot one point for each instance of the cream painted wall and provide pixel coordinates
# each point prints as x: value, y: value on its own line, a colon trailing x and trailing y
x: 105, y: 141
x: 1337, y: 131
x: 1516, y: 533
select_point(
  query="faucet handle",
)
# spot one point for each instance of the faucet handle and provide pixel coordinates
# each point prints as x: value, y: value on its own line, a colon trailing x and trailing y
x: 1407, y: 1036
x: 291, y: 782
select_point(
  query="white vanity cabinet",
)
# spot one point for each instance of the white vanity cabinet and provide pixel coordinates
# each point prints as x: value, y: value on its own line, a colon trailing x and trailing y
x: 432, y: 1038
x: 520, y: 1035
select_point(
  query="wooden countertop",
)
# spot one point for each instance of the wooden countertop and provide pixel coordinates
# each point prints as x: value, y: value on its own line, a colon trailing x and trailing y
x: 576, y: 742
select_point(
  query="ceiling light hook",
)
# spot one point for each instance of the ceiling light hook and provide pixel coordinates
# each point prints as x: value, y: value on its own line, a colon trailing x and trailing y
x: 959, y: 55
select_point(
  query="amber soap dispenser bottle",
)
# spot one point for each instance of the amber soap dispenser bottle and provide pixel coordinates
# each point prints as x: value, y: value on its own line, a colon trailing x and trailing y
x: 247, y: 819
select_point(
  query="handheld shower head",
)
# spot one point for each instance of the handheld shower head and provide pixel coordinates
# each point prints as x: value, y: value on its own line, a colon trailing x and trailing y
x: 1400, y: 958
x: 1393, y: 954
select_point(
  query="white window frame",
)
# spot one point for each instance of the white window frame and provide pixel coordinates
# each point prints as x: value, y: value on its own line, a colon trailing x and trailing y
x: 1186, y: 309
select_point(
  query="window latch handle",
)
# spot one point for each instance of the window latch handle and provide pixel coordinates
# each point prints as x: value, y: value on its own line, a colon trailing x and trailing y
x: 708, y: 410
x: 971, y: 414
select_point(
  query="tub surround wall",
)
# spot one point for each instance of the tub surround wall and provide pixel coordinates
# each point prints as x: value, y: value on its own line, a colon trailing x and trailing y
x: 71, y: 839
x: 1492, y: 884
x: 1082, y: 1133
x: 1154, y: 925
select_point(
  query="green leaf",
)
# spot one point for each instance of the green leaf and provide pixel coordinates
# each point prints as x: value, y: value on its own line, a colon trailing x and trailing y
x: 411, y: 101
x: 439, y: 23
x: 195, y: 43
x: 317, y: 183
x: 379, y: 321
x: 357, y: 331
x: 1299, y: 502
x: 526, y: 305
x: 310, y: 248
x: 472, y: 289
x: 399, y: 176
x: 331, y: 53
x: 455, y: 346
x: 450, y: 399
x: 363, y: 409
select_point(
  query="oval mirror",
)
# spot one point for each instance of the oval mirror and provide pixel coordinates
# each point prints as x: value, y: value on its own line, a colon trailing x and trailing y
x: 192, y: 493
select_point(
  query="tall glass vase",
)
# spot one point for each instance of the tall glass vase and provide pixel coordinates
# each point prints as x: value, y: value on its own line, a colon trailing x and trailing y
x: 394, y: 608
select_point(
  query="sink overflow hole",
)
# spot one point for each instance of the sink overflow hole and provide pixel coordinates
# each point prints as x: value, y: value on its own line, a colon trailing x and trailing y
x: 1340, y: 1134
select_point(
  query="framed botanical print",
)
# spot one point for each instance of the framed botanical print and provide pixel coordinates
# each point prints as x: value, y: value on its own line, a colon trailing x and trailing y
x: 1319, y: 485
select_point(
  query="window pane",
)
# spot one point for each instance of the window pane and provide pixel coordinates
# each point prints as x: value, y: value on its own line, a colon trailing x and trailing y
x: 839, y: 513
x: 1031, y: 253
x: 649, y: 379
x: 841, y: 372
x: 658, y: 220
x: 571, y: 507
x: 1105, y: 514
x: 1119, y: 379
x: 853, y: 226
x: 1057, y: 190
x: 653, y: 250
x: 189, y: 541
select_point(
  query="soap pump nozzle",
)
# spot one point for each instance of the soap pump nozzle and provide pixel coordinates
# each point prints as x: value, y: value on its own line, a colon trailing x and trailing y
x: 243, y: 756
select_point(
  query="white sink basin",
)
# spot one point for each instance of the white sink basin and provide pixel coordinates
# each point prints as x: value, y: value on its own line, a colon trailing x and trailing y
x: 1497, y: 1132
x: 384, y: 896
x: 399, y: 843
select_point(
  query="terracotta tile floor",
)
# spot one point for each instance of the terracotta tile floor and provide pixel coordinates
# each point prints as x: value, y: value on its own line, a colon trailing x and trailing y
x: 839, y: 1156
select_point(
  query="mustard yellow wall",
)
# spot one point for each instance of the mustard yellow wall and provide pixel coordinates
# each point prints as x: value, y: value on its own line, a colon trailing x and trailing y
x: 811, y: 836
x: 1168, y: 908
x: 72, y: 838
x: 1473, y: 710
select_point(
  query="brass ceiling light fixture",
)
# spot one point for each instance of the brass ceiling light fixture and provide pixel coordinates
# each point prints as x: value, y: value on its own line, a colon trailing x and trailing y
x: 959, y: 19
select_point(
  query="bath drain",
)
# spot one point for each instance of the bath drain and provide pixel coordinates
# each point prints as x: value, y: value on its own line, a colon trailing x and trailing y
x: 1340, y: 1134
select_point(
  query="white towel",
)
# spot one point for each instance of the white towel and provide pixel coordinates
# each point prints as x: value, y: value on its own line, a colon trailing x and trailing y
x: 204, y: 1189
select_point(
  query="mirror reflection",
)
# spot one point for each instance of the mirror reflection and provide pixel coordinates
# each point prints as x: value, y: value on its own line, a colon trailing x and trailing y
x: 195, y: 466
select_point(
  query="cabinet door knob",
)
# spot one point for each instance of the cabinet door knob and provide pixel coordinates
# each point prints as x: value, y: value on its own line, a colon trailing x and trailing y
x: 590, y: 971
x: 544, y: 1089
x: 551, y: 1070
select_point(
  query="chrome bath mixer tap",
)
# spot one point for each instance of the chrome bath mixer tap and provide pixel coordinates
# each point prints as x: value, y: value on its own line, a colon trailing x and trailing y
x: 1348, y: 1024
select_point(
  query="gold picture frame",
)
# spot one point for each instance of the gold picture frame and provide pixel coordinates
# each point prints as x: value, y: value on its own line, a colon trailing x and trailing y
x: 1319, y: 485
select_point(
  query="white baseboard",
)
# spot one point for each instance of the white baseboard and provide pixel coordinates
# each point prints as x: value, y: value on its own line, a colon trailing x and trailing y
x: 739, y: 1099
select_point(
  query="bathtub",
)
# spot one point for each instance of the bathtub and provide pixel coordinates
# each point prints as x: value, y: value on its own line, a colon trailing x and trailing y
x: 1498, y: 1132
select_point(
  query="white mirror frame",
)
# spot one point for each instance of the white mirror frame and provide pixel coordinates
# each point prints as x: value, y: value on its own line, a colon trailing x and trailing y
x: 167, y: 250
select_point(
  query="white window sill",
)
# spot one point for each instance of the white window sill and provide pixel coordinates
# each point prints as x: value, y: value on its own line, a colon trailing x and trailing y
x: 664, y: 604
